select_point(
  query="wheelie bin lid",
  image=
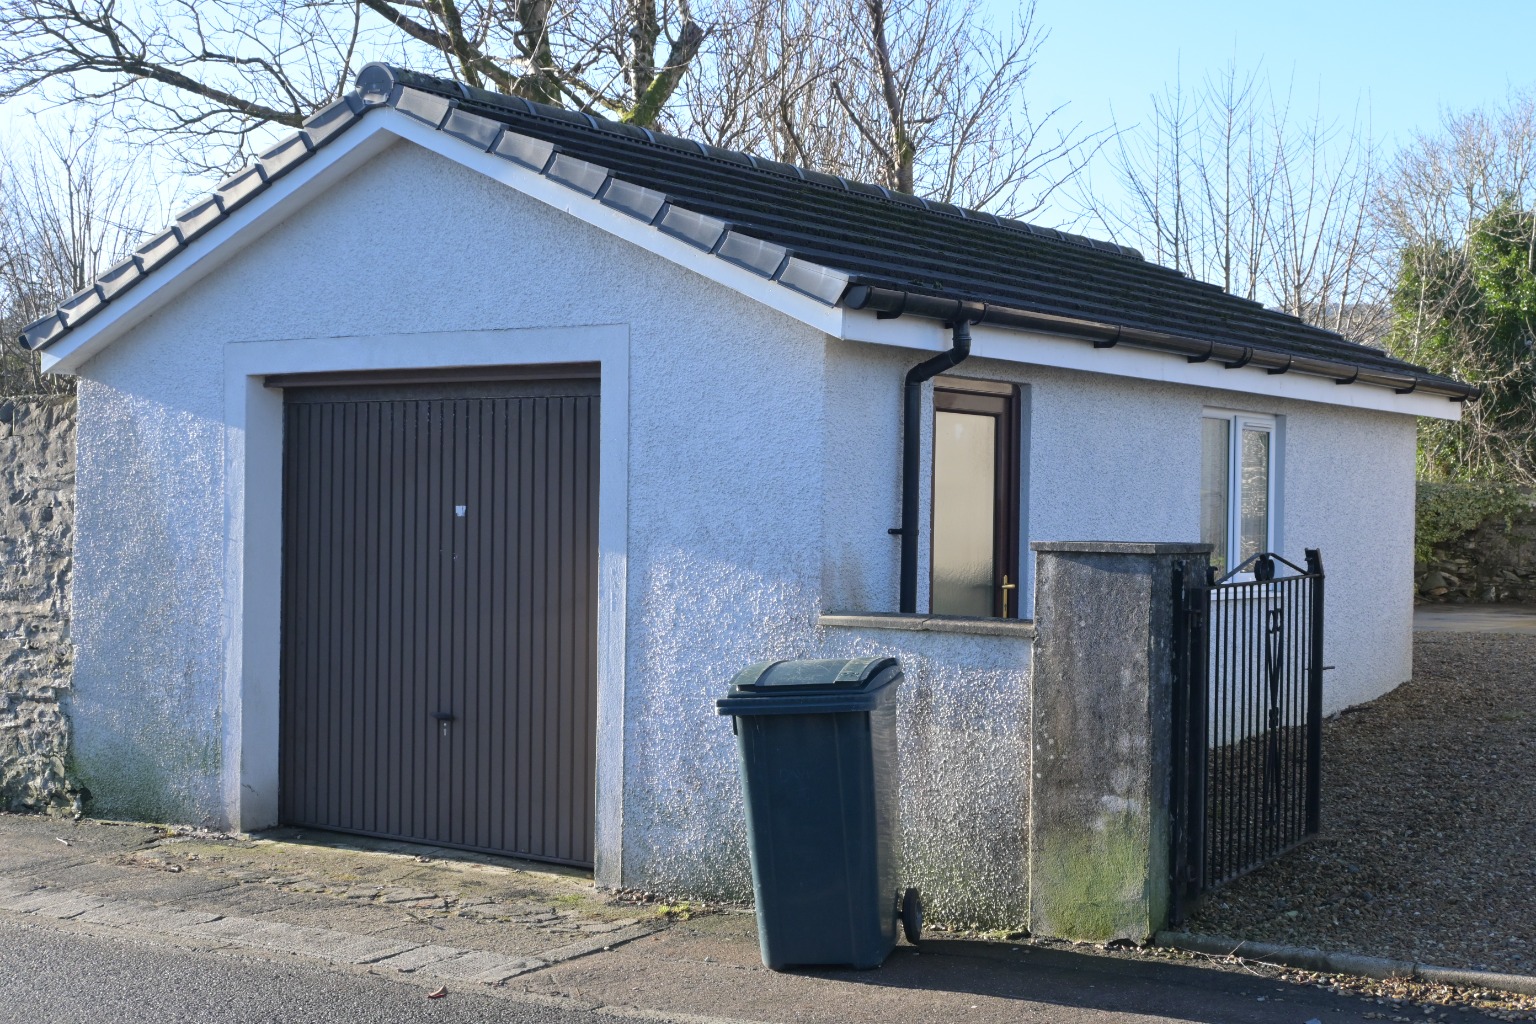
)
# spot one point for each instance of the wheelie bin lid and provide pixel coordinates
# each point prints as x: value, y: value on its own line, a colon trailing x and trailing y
x: 810, y: 686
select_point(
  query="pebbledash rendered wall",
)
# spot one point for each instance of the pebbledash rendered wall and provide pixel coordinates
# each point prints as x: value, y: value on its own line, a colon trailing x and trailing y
x: 763, y: 466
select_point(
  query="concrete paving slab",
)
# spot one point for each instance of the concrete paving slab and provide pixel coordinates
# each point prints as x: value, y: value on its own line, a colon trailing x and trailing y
x: 37, y: 899
x: 421, y: 956
x: 233, y: 929
x: 473, y: 965
x: 341, y: 947
x: 70, y: 908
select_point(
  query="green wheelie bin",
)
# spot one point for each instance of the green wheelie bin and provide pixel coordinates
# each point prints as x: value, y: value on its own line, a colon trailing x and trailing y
x: 817, y: 740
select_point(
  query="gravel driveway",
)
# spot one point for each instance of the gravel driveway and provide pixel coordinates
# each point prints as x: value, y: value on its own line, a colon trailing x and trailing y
x: 1428, y: 850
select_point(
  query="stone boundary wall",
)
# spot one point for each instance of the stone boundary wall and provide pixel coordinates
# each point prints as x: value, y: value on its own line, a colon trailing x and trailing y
x: 37, y: 527
x: 1491, y: 563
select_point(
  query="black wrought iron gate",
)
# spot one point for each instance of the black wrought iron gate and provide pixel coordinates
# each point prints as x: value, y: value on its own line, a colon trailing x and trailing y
x: 1247, y: 719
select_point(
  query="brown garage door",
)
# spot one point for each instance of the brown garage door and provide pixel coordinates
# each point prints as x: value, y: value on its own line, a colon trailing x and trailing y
x: 439, y: 613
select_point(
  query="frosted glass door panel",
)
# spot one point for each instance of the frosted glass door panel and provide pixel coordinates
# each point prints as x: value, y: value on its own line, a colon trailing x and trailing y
x: 964, y: 498
x: 1254, y: 508
x: 1215, y: 481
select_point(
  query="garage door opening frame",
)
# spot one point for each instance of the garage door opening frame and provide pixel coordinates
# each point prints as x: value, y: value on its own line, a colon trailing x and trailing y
x: 253, y: 425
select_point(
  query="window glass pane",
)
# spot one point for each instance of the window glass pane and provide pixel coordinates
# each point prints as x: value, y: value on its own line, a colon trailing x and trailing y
x: 1254, y: 483
x: 1215, y: 477
x: 964, y: 492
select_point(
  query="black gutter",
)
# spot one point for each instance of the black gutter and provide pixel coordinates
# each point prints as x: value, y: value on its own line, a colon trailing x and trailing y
x: 911, y: 446
x: 892, y: 302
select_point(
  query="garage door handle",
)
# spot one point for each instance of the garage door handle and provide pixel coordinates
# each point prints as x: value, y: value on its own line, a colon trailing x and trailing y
x: 443, y: 716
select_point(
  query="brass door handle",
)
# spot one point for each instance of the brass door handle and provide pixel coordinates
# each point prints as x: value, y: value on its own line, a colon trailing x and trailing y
x: 1005, y: 588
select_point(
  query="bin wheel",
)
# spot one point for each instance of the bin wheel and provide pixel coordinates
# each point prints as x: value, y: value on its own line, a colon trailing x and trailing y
x: 912, y: 916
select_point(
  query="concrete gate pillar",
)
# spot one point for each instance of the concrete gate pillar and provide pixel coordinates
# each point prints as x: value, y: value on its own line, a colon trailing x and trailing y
x: 1101, y: 736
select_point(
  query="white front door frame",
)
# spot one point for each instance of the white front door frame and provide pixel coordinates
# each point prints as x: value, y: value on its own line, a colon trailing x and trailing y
x: 253, y: 504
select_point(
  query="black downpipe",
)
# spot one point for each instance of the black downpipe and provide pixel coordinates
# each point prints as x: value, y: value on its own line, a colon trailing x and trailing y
x: 911, y: 444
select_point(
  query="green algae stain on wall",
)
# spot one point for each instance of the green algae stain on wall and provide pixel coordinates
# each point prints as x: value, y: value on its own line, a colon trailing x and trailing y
x: 153, y: 776
x: 1096, y: 885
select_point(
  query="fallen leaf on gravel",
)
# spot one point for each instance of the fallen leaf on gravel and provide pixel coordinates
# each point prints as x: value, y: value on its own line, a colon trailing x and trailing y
x: 438, y: 993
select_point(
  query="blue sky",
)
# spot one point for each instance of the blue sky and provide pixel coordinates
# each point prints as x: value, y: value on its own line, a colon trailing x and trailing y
x: 1397, y: 63
x: 1400, y: 61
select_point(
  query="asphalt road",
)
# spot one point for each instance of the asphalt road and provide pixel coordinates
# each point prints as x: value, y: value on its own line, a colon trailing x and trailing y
x: 49, y: 975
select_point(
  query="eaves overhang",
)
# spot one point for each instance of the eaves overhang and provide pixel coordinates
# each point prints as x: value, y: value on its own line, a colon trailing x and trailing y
x: 888, y: 302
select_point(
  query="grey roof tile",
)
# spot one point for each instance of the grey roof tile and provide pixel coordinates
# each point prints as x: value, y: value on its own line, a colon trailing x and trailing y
x: 753, y: 253
x: 635, y: 200
x: 81, y: 306
x: 159, y: 249
x: 198, y: 218
x: 526, y: 150
x: 238, y: 189
x: 424, y: 106
x: 42, y: 332
x: 118, y: 277
x: 480, y: 132
x: 284, y: 156
x: 694, y: 228
x: 815, y: 280
x: 788, y: 170
x: 329, y: 121
x: 581, y: 175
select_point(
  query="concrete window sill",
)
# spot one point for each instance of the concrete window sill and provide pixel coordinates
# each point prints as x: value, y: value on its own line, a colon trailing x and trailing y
x: 930, y: 624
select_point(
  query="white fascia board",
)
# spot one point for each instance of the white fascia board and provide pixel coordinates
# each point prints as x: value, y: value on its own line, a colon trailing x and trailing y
x: 1040, y: 349
x: 378, y: 129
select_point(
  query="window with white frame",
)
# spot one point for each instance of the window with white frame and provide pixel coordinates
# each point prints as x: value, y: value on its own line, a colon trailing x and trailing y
x: 1237, y: 486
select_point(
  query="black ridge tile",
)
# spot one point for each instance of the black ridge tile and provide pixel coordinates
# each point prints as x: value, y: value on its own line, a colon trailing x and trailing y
x: 560, y: 114
x: 788, y: 170
x: 730, y: 156
x: 867, y: 189
x: 822, y: 178
x: 680, y: 145
x: 622, y: 128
